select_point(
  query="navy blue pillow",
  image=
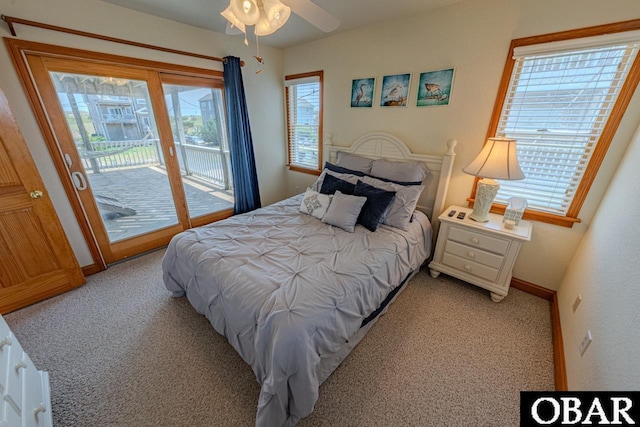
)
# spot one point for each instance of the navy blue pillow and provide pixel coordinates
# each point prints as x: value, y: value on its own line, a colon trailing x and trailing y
x: 378, y: 201
x: 340, y: 169
x: 331, y: 184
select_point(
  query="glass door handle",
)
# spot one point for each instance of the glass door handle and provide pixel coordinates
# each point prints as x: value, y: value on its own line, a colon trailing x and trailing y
x: 79, y: 181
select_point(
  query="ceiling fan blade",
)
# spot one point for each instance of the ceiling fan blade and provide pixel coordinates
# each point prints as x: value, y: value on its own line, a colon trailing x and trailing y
x: 313, y: 14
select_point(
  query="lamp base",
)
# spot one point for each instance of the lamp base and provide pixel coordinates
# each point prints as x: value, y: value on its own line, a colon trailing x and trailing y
x: 485, y: 193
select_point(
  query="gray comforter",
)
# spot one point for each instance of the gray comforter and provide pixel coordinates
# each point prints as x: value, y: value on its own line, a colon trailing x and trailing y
x: 287, y: 290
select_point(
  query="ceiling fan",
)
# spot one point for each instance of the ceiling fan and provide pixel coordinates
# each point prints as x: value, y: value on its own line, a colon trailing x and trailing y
x: 268, y: 16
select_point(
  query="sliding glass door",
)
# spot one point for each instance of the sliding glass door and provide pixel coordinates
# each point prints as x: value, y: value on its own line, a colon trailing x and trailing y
x: 146, y: 152
x: 195, y: 110
x: 115, y: 136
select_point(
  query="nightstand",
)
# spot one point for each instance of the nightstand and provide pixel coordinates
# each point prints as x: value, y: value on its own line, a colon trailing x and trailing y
x: 481, y: 253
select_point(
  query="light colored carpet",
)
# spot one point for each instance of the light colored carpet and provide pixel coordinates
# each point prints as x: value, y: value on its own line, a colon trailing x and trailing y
x: 121, y: 352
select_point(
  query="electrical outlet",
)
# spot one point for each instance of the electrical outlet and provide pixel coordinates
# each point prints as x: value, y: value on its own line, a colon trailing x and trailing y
x: 585, y: 342
x: 298, y: 192
x: 577, y: 302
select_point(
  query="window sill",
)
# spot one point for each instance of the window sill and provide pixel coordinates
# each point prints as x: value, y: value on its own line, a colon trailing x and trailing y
x: 562, y: 221
x: 304, y: 170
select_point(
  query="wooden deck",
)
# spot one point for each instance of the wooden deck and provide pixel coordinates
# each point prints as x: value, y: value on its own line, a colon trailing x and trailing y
x: 146, y: 190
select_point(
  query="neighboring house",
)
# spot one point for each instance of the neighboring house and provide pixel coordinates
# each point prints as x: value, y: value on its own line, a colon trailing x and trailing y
x: 118, y: 118
x: 306, y: 113
x: 206, y: 107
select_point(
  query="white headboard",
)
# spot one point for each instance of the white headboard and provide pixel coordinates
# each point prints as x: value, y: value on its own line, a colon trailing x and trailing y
x: 378, y: 145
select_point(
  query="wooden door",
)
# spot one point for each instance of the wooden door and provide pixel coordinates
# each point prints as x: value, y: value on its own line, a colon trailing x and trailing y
x: 36, y: 259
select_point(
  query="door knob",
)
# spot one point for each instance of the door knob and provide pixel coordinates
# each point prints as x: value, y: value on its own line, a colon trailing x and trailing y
x: 37, y: 194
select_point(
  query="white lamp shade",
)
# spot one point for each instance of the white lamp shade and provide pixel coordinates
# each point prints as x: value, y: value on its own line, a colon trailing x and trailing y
x: 497, y: 160
x: 246, y: 11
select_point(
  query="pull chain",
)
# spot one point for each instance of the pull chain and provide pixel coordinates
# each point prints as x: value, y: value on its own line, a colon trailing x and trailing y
x: 258, y: 58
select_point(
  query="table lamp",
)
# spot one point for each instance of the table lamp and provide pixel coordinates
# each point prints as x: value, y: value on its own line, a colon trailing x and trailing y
x: 497, y: 160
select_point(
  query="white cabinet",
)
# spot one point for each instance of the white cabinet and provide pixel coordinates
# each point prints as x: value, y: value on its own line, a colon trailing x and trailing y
x: 481, y: 253
x: 25, y: 390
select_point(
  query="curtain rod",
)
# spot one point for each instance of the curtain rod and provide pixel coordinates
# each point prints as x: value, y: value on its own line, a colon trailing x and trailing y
x: 12, y: 20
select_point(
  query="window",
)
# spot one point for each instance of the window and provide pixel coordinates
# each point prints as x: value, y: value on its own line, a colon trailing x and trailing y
x: 562, y: 101
x: 303, y: 94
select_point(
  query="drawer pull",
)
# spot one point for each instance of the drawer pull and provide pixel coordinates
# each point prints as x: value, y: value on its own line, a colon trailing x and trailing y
x: 21, y: 364
x: 39, y: 409
x: 6, y: 341
x: 471, y: 254
x: 467, y: 267
x: 475, y: 240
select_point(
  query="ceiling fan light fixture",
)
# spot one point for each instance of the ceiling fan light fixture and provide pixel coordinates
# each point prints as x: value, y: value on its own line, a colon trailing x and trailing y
x: 233, y: 19
x: 247, y: 11
x: 277, y: 13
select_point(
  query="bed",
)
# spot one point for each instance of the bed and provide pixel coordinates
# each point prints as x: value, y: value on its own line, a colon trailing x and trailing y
x: 294, y: 295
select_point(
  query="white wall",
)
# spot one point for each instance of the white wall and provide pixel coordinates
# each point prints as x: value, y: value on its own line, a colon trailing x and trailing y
x: 473, y: 36
x: 104, y: 18
x: 606, y: 272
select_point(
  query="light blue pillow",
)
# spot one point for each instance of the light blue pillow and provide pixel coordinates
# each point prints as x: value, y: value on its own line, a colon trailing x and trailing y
x: 400, y: 171
x: 343, y: 211
x: 353, y: 161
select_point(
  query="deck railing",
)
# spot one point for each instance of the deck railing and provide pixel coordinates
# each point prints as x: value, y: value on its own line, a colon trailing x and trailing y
x: 117, y: 154
x: 209, y: 163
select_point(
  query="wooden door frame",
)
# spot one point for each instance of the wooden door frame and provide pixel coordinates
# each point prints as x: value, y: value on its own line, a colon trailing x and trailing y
x: 19, y: 49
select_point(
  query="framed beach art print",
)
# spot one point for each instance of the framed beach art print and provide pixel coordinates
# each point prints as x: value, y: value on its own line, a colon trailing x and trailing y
x: 362, y: 92
x: 395, y: 90
x: 434, y: 88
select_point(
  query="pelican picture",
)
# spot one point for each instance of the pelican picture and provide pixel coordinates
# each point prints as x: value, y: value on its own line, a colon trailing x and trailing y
x: 362, y: 92
x: 395, y: 90
x: 434, y: 88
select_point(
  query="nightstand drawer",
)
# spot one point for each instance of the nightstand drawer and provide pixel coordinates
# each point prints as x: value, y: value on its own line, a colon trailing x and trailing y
x: 470, y: 267
x: 478, y: 240
x: 473, y: 254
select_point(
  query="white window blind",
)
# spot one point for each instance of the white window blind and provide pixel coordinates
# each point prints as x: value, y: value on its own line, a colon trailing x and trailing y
x: 557, y: 104
x: 303, y: 120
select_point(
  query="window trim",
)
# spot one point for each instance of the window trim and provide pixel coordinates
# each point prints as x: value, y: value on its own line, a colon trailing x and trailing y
x: 297, y: 168
x: 608, y: 131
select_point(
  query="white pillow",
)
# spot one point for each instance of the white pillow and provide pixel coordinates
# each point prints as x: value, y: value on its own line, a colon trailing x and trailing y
x: 404, y: 203
x: 344, y: 210
x: 400, y: 171
x: 354, y: 162
x: 315, y: 204
x: 353, y: 179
